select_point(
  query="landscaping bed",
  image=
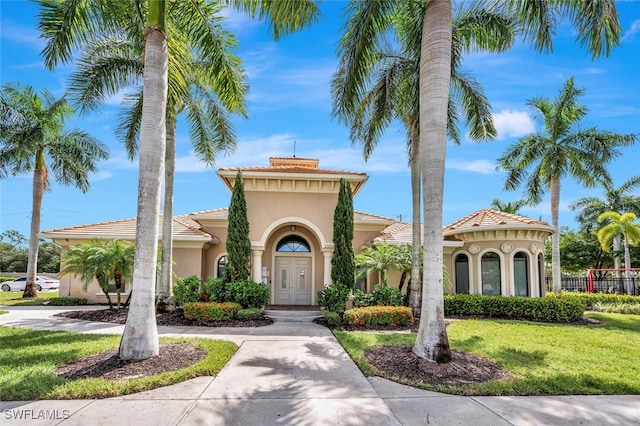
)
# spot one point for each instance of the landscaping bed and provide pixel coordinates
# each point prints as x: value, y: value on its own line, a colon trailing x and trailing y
x: 163, y: 319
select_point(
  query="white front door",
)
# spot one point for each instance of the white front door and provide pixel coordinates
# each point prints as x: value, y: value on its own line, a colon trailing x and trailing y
x: 293, y: 282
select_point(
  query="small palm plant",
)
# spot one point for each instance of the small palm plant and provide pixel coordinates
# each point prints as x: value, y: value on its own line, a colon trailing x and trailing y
x: 104, y: 261
x: 620, y: 224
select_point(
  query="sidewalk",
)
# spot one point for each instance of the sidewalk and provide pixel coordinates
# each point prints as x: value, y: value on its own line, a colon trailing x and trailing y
x: 295, y: 373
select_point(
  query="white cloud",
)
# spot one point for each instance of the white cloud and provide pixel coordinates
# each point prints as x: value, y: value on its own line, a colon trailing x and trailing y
x: 101, y: 175
x: 484, y: 167
x: 256, y: 152
x: 594, y: 71
x: 511, y: 123
x: 634, y: 29
x: 21, y: 34
x: 237, y: 22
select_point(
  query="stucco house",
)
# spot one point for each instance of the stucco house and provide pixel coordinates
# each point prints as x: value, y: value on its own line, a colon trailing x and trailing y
x: 290, y: 207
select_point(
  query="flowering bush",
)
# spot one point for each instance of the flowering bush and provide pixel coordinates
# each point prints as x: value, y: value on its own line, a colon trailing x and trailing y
x: 211, y: 311
x: 379, y: 315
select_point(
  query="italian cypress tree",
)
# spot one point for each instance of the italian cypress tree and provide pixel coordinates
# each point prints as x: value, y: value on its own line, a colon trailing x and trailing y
x: 342, y: 262
x: 238, y: 244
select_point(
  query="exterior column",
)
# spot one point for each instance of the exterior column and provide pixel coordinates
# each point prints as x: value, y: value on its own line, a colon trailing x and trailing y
x: 327, y: 267
x: 256, y: 268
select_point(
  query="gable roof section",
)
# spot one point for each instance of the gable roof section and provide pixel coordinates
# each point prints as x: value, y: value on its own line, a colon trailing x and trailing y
x: 489, y: 219
x: 184, y: 229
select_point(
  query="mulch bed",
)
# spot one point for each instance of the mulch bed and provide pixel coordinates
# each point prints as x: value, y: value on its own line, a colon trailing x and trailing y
x: 396, y: 361
x: 108, y: 365
x: 399, y: 361
x: 119, y: 316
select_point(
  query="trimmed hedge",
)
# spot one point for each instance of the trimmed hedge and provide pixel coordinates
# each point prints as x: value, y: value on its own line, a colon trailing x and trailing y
x: 592, y: 299
x: 249, y: 314
x: 333, y: 318
x: 67, y: 301
x: 5, y: 279
x: 379, y: 315
x: 555, y: 309
x: 211, y: 311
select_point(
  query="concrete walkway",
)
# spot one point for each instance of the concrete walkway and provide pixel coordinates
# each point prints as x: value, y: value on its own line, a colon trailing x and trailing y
x: 294, y: 373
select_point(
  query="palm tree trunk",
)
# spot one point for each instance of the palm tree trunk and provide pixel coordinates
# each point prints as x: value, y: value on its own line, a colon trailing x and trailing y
x: 627, y: 265
x: 140, y: 336
x: 555, y: 238
x: 617, y: 264
x: 30, y: 289
x: 432, y: 342
x: 416, y: 240
x: 164, y: 289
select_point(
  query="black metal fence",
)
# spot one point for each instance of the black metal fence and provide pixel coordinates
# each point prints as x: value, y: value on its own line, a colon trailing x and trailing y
x: 600, y: 285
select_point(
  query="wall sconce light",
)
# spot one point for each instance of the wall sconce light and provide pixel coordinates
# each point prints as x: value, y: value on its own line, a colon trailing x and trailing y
x: 293, y: 228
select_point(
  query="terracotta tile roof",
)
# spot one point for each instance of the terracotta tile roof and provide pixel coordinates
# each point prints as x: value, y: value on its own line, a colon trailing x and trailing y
x: 221, y: 213
x: 491, y: 219
x: 368, y: 217
x: 184, y: 229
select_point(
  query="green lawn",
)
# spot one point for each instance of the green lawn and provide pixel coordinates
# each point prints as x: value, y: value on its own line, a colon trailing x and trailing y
x: 544, y: 359
x: 14, y: 298
x: 28, y: 358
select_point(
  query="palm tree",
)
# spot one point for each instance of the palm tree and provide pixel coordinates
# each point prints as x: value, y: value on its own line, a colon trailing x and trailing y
x: 380, y: 258
x: 598, y: 27
x: 512, y: 207
x: 389, y: 90
x: 620, y: 225
x: 33, y: 138
x: 205, y: 90
x: 104, y: 261
x: 82, y: 24
x: 560, y: 149
x: 618, y: 199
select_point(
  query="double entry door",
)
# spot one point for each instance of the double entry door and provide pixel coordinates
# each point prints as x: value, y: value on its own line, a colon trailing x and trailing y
x: 293, y: 283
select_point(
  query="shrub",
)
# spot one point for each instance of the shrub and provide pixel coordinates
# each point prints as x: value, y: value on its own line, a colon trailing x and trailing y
x: 332, y: 318
x: 247, y: 293
x: 187, y: 290
x: 557, y: 309
x: 210, y: 311
x: 381, y: 295
x: 617, y: 308
x: 67, y: 301
x: 379, y: 315
x: 591, y: 299
x: 334, y: 298
x: 215, y: 289
x: 5, y: 279
x: 249, y: 314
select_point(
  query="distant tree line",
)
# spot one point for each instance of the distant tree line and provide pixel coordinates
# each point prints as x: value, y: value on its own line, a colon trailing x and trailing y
x: 14, y: 253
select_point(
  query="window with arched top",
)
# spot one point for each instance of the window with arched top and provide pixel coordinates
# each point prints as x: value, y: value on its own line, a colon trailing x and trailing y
x: 462, y: 274
x: 491, y: 276
x: 521, y: 274
x: 222, y: 263
x: 293, y: 243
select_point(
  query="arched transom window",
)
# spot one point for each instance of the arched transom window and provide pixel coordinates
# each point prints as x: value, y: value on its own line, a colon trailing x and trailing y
x: 293, y: 243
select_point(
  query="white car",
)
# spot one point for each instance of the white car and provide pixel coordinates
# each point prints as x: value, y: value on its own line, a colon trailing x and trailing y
x: 42, y: 283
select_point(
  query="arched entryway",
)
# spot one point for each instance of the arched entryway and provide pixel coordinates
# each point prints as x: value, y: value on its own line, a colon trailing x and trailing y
x: 293, y: 266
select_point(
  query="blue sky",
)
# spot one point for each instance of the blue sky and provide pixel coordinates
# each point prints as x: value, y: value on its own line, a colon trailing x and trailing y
x: 289, y: 100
